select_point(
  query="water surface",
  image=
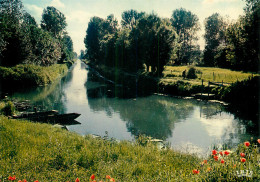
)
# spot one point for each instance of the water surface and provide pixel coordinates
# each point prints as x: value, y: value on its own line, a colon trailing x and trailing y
x: 188, y: 125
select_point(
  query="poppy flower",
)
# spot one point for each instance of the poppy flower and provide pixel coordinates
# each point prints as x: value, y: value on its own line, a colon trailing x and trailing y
x: 112, y: 179
x: 36, y: 181
x: 20, y: 181
x: 108, y: 177
x: 92, y: 177
x: 247, y: 144
x: 258, y: 141
x: 243, y: 160
x: 12, y: 178
x: 24, y: 180
x: 222, y: 161
x: 77, y: 180
x: 226, y: 152
x: 216, y: 158
x: 214, y: 152
x: 221, y: 153
x: 195, y: 171
x: 242, y: 154
x: 205, y: 161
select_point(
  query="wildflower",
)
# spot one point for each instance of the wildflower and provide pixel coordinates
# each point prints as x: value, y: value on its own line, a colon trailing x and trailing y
x: 243, y: 160
x: 247, y: 144
x: 214, y: 152
x: 222, y: 161
x: 242, y: 154
x: 20, y: 181
x: 234, y: 166
x: 205, y: 161
x: 226, y: 152
x: 36, y: 181
x: 108, y: 177
x: 92, y: 177
x: 209, y: 169
x: 77, y: 180
x: 195, y: 171
x: 216, y: 158
x: 258, y: 141
x: 24, y: 180
x: 221, y: 153
x: 112, y: 179
x: 12, y: 178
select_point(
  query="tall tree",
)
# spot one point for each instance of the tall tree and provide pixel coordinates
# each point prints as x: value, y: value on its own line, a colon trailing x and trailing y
x: 53, y: 21
x: 14, y: 47
x: 130, y: 18
x: 93, y: 37
x: 186, y: 25
x: 215, y: 28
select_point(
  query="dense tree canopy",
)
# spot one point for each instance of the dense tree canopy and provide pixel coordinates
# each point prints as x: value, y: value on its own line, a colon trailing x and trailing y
x: 53, y: 21
x: 186, y: 25
x: 22, y: 41
x: 144, y: 40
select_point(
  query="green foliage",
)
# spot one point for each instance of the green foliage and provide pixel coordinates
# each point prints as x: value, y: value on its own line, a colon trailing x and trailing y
x: 31, y: 74
x: 191, y: 73
x: 23, y: 42
x: 53, y: 21
x: 8, y: 109
x: 186, y: 25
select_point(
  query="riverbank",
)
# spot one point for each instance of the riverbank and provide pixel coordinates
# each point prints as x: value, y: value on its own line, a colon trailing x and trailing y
x: 35, y: 151
x: 31, y: 75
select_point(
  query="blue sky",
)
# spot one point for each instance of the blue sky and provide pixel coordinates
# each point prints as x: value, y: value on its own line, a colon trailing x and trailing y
x: 79, y: 12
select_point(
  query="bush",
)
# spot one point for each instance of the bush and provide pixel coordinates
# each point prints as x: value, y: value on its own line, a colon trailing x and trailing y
x: 191, y: 73
x: 8, y: 109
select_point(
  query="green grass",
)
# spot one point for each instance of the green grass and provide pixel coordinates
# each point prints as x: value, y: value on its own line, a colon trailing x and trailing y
x: 32, y: 74
x: 34, y: 151
x: 174, y: 73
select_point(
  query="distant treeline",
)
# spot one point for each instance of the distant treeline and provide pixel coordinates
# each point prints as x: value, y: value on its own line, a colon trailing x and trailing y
x: 23, y: 41
x: 146, y: 41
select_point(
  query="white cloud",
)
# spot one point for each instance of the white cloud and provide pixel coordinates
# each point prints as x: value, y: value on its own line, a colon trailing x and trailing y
x: 34, y: 10
x: 79, y: 16
x: 217, y: 1
x: 57, y: 4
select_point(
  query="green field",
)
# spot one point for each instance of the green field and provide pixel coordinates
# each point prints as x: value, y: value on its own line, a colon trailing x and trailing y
x: 34, y: 151
x: 174, y: 73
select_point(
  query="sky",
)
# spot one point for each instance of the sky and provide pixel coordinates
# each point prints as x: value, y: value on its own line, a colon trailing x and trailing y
x: 79, y: 12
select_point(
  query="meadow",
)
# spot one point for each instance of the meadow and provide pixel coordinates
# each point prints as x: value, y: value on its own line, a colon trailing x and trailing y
x: 42, y: 152
x: 212, y: 74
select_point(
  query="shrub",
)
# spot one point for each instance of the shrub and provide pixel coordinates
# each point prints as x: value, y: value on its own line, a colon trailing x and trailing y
x: 8, y: 109
x: 191, y: 73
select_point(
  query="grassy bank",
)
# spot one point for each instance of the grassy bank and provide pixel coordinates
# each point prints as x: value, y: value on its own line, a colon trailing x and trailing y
x: 174, y: 73
x: 34, y: 151
x: 32, y: 75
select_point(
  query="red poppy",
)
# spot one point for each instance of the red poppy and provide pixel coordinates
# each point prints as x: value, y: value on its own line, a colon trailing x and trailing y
x: 216, y: 158
x: 24, y: 180
x: 36, y: 181
x: 108, y: 177
x: 92, y: 177
x: 221, y: 153
x: 205, y: 161
x: 226, y: 152
x: 20, y: 181
x: 12, y: 178
x: 77, y: 180
x: 258, y: 141
x: 243, y: 160
x: 242, y: 154
x: 247, y: 144
x: 112, y: 179
x: 214, y: 152
x: 222, y: 161
x: 195, y: 171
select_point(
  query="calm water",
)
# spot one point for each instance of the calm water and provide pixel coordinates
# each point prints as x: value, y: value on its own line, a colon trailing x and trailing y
x: 189, y: 125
